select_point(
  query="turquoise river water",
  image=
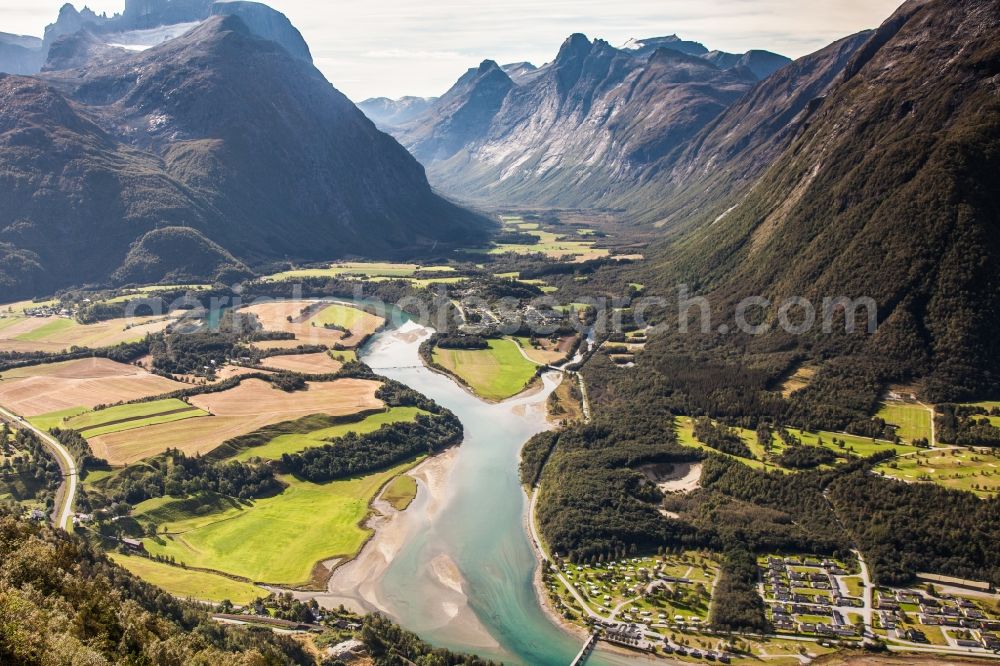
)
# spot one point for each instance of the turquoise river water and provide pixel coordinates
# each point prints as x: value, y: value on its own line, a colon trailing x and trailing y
x: 478, y: 529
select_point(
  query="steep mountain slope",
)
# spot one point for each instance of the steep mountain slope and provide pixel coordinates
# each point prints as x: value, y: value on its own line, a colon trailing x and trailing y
x: 707, y: 176
x: 266, y: 23
x: 892, y: 191
x: 459, y: 115
x: 218, y: 131
x: 64, y: 602
x: 571, y: 131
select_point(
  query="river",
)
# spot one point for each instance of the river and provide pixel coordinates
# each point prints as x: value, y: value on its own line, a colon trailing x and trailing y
x: 462, y: 574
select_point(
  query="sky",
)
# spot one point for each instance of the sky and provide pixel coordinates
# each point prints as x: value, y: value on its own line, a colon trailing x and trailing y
x: 391, y: 48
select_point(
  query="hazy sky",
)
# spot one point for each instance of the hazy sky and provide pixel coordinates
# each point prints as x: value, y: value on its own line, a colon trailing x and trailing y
x: 409, y: 47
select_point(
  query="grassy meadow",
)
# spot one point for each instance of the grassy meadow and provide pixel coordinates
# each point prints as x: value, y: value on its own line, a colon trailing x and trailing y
x: 911, y: 421
x: 294, y: 443
x: 973, y: 470
x: 497, y: 373
x: 190, y: 584
x: 401, y: 492
x: 118, y: 419
x: 277, y: 539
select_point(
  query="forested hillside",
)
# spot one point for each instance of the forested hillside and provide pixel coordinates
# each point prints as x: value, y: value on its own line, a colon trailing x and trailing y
x: 63, y: 602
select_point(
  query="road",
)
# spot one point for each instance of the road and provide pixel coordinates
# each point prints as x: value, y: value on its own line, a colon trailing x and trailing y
x: 869, y: 592
x: 930, y: 408
x: 71, y: 475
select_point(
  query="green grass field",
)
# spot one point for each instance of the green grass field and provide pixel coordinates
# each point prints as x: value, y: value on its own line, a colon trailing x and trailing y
x: 283, y: 444
x: 853, y: 444
x: 339, y: 315
x: 51, y: 328
x: 368, y: 270
x: 401, y: 492
x: 190, y: 584
x: 989, y: 405
x: 56, y: 419
x: 278, y: 539
x: 497, y: 373
x: 976, y: 471
x: 548, y: 243
x: 118, y: 419
x: 911, y: 421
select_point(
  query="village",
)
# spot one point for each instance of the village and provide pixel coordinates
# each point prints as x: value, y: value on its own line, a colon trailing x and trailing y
x: 660, y: 604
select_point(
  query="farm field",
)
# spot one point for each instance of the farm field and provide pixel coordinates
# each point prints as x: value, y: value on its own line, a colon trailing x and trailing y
x: 497, y: 373
x: 121, y: 418
x: 911, y: 421
x: 56, y: 334
x: 306, y: 320
x: 307, y: 364
x: 358, y: 269
x: 400, y: 492
x: 81, y: 384
x: 547, y: 351
x: 189, y: 584
x: 549, y: 244
x: 283, y: 444
x: 278, y: 539
x: 974, y: 470
x: 241, y: 410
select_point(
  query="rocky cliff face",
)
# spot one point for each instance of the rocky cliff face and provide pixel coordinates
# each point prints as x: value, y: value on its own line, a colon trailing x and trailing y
x: 137, y: 25
x: 266, y: 23
x: 220, y: 132
x: 581, y: 130
x: 570, y: 132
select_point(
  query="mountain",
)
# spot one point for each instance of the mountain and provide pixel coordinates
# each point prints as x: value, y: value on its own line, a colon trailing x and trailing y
x: 762, y: 63
x: 890, y: 190
x: 646, y: 47
x: 459, y: 115
x: 266, y: 23
x: 711, y: 173
x: 579, y: 131
x: 19, y: 54
x: 218, y: 132
x: 143, y: 24
x: 568, y: 132
x: 520, y: 72
x: 387, y: 113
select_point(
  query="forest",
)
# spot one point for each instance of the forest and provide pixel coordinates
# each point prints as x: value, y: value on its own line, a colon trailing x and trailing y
x: 65, y: 602
x: 393, y: 443
x: 178, y: 475
x: 736, y: 606
x: 904, y: 528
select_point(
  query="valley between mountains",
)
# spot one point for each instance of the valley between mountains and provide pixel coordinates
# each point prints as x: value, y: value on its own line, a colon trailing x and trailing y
x: 651, y: 353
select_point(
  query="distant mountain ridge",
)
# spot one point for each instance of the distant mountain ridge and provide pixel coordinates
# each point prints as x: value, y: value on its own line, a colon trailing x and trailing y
x: 575, y: 130
x: 138, y: 23
x: 245, y: 151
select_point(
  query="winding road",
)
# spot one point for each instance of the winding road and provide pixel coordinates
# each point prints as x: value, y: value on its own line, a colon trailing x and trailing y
x: 71, y: 475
